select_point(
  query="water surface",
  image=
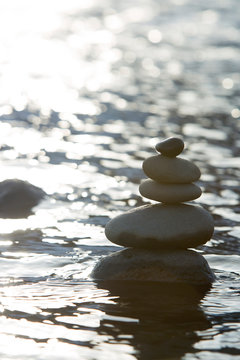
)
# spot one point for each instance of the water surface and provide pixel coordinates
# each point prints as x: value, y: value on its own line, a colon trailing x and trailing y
x: 87, y: 89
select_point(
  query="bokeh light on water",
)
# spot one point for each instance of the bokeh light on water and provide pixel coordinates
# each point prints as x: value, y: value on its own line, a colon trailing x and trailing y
x: 87, y: 89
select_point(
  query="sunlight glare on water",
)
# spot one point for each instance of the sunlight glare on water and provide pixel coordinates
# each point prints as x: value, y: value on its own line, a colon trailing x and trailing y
x: 41, y: 66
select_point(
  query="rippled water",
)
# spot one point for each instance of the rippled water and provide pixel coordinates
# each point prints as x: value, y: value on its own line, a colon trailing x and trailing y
x: 87, y: 89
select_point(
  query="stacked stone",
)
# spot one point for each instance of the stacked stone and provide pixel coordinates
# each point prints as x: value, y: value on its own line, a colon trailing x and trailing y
x: 158, y: 235
x: 171, y: 179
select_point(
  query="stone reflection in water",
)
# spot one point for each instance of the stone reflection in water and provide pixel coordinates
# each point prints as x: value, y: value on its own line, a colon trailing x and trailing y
x: 159, y: 320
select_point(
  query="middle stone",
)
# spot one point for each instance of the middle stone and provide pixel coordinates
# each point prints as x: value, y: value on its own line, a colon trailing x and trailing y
x: 168, y: 170
x: 169, y: 193
x: 177, y: 226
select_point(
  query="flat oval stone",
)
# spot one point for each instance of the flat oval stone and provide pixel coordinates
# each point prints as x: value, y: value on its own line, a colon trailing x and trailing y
x: 169, y: 193
x: 170, y: 170
x: 161, y: 226
x: 176, y: 266
x: 170, y: 147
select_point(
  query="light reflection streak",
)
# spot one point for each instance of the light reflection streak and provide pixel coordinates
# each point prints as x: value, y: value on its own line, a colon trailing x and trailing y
x: 42, y: 331
x: 235, y: 113
x: 228, y: 83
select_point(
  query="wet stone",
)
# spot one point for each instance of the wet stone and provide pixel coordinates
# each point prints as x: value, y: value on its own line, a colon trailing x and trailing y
x: 170, y: 147
x: 169, y: 193
x: 175, y: 266
x: 162, y: 226
x: 170, y: 170
x: 18, y: 197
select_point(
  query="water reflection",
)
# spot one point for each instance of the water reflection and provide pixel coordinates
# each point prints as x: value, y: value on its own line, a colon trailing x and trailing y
x: 157, y: 320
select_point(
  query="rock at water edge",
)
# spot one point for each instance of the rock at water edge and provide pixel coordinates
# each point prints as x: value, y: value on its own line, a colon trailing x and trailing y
x: 177, y: 266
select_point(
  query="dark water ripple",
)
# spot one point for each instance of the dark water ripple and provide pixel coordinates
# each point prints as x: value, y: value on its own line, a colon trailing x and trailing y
x: 87, y: 90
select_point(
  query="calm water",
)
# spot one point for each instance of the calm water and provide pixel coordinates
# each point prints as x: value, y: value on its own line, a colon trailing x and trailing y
x: 87, y: 89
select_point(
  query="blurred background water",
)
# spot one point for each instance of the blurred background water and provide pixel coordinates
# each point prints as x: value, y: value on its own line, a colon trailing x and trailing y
x: 87, y: 89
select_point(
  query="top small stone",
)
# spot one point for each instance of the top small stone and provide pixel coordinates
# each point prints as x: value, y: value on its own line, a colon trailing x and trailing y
x: 170, y: 147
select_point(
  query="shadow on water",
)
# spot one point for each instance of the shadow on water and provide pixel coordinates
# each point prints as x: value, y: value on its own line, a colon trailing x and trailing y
x: 159, y: 321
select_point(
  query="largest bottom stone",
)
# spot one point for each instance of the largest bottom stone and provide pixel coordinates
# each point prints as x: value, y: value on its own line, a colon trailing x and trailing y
x: 176, y: 266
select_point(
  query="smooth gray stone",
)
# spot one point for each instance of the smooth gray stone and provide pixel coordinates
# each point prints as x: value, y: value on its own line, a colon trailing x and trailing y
x: 161, y: 226
x: 170, y: 147
x: 168, y: 170
x: 18, y: 197
x: 169, y: 193
x: 177, y: 266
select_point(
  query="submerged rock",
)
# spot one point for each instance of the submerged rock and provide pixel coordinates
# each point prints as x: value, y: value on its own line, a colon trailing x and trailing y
x: 18, y: 197
x: 175, y: 266
x: 161, y: 226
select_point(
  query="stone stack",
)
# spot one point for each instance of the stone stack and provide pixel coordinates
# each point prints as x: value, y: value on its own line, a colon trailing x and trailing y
x: 158, y: 236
